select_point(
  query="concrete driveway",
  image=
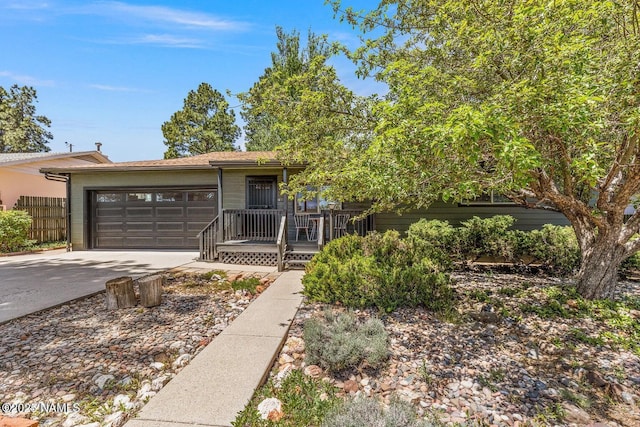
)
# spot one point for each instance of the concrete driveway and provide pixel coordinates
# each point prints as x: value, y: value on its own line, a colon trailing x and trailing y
x: 29, y: 283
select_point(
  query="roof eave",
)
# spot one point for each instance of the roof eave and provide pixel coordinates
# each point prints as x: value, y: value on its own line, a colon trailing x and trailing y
x: 125, y: 169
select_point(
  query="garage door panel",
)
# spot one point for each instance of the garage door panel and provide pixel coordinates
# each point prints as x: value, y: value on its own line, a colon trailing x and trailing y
x: 110, y: 242
x: 139, y: 226
x: 142, y: 211
x: 201, y: 211
x: 170, y: 226
x: 140, y: 242
x: 148, y: 218
x: 171, y: 242
x: 171, y: 212
x: 111, y: 211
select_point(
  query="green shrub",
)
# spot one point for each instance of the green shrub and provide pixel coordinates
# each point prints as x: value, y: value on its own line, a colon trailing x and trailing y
x: 436, y: 240
x: 363, y: 411
x: 246, y: 284
x: 379, y: 270
x: 487, y: 237
x: 631, y: 264
x: 556, y: 247
x: 14, y: 230
x: 339, y: 342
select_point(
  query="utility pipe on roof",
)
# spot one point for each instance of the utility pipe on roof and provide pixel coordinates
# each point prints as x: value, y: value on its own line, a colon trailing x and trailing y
x: 66, y: 178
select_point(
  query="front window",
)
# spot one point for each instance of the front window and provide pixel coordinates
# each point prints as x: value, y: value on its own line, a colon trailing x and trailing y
x: 313, y: 204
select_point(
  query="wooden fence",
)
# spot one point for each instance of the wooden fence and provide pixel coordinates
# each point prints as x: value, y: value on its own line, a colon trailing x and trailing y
x: 49, y: 217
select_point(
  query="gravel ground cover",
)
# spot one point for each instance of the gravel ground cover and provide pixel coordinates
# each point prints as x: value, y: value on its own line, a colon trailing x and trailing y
x: 80, y: 364
x: 516, y: 353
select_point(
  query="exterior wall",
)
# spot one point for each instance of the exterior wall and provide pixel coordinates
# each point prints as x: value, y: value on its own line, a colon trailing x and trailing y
x: 234, y: 186
x: 81, y: 183
x: 526, y: 219
x: 14, y: 184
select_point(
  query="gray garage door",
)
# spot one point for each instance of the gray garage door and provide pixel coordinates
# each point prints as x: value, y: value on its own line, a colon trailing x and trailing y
x: 150, y: 218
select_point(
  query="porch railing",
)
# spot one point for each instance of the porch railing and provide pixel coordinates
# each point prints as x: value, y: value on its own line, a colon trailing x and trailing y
x: 321, y: 233
x: 207, y: 239
x: 251, y: 224
x: 281, y: 243
x: 361, y: 227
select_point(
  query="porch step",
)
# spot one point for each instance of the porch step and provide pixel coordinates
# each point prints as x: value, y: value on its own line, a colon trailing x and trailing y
x: 298, y: 259
x: 296, y: 264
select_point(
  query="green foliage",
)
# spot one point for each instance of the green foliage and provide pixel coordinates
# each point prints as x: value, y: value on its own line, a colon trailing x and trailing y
x: 305, y: 401
x: 379, y: 270
x: 623, y: 329
x: 245, y: 284
x: 21, y: 130
x: 487, y: 236
x: 555, y: 246
x: 204, y: 124
x: 14, y: 230
x: 539, y: 103
x: 363, y: 411
x: 435, y: 239
x: 291, y: 59
x: 338, y: 341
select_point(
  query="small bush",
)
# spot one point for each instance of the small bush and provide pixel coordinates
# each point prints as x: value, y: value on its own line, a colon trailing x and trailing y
x: 436, y: 240
x: 368, y: 412
x: 305, y: 402
x: 556, y: 247
x: 247, y: 284
x: 339, y: 342
x: 379, y: 270
x: 14, y: 230
x: 487, y: 237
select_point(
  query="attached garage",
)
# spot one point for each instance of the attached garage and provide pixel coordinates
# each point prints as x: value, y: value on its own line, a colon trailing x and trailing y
x: 150, y: 218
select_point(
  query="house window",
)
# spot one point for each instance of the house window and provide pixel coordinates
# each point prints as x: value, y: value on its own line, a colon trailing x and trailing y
x: 201, y: 196
x: 316, y: 204
x: 139, y: 197
x: 169, y: 196
x: 490, y: 198
x: 109, y: 197
x: 262, y: 192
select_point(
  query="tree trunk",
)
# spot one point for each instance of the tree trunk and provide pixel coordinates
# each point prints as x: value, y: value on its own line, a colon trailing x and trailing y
x: 120, y: 293
x: 150, y: 291
x: 598, y: 274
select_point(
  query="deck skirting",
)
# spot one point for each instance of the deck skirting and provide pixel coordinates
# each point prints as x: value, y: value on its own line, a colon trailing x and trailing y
x: 249, y: 258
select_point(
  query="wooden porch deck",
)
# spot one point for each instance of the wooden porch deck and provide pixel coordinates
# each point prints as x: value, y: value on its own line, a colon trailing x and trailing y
x: 263, y: 237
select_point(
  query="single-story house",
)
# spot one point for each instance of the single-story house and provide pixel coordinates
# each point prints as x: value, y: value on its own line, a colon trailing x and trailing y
x: 229, y: 206
x: 20, y: 173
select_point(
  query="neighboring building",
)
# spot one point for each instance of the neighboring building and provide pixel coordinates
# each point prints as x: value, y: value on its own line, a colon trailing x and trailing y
x: 164, y: 204
x: 20, y: 173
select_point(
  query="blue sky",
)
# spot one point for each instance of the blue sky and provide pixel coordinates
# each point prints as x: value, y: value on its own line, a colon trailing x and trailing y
x: 114, y: 71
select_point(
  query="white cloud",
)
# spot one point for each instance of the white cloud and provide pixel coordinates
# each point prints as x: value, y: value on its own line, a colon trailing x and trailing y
x: 27, y: 5
x: 109, y: 88
x: 163, y: 15
x: 26, y: 80
x: 168, y: 40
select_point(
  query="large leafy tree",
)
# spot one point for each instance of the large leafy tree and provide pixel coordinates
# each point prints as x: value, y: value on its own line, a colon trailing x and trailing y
x: 289, y: 60
x: 204, y: 124
x: 21, y: 129
x: 539, y: 100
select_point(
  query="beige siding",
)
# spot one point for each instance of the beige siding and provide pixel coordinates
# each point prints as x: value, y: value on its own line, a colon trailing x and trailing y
x: 526, y: 219
x: 81, y: 183
x: 234, y: 185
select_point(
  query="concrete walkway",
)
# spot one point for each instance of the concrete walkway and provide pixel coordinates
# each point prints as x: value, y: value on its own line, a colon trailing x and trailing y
x: 221, y: 379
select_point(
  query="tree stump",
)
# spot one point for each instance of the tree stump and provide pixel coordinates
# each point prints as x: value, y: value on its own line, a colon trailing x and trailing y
x: 120, y: 293
x: 150, y: 291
